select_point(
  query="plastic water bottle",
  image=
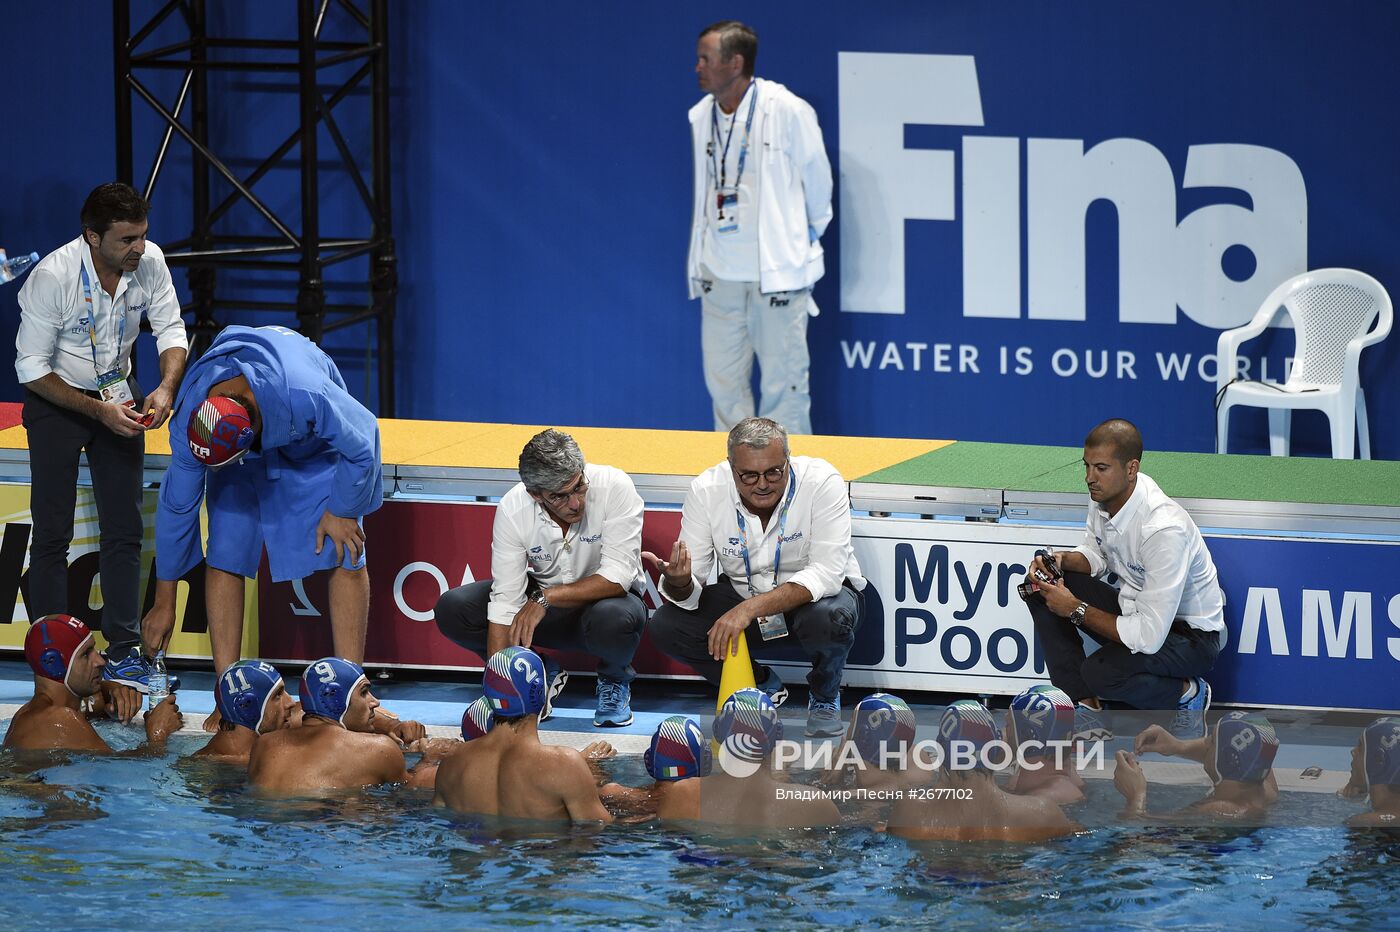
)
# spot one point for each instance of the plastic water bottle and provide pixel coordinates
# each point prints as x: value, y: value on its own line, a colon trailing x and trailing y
x: 159, y: 681
x: 10, y: 269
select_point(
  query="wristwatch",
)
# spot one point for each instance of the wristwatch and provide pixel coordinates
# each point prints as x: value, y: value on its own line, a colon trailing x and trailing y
x: 539, y: 599
x: 1076, y: 617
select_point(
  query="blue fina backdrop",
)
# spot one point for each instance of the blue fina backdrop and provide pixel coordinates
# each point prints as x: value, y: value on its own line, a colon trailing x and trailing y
x: 1045, y: 214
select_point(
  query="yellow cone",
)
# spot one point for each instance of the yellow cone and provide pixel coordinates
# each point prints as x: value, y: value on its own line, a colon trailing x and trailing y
x: 737, y: 673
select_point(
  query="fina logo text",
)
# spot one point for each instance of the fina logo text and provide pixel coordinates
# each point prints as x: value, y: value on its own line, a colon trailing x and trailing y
x: 1163, y: 264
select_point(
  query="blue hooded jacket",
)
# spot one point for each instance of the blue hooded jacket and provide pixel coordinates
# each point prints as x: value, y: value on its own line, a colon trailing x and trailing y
x: 316, y: 440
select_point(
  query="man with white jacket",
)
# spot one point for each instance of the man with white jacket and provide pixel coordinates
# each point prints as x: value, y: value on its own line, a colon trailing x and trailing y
x: 762, y: 201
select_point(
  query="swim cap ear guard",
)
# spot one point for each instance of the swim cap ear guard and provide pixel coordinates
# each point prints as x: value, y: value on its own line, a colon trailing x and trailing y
x: 327, y: 687
x: 678, y: 750
x: 748, y: 726
x: 514, y: 682
x: 50, y: 645
x: 53, y: 665
x: 883, y: 722
x: 243, y: 692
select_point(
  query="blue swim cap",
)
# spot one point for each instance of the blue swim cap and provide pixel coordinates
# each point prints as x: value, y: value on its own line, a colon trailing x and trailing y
x: 326, y: 688
x: 477, y: 720
x: 678, y: 750
x: 969, y: 721
x: 1245, y: 746
x: 1042, y: 714
x: 1380, y: 746
x: 748, y: 726
x: 243, y: 691
x: 881, y: 722
x: 514, y: 682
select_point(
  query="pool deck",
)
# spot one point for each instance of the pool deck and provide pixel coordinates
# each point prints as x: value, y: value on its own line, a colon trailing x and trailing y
x: 1311, y: 740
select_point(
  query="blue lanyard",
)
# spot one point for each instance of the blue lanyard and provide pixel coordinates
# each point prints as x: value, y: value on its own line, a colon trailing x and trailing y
x: 92, y: 322
x: 778, y: 549
x: 721, y: 171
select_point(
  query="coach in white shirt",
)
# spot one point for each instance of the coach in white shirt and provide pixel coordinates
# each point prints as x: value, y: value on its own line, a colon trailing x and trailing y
x: 1159, y: 628
x: 777, y: 528
x: 565, y: 557
x: 762, y: 199
x: 80, y: 313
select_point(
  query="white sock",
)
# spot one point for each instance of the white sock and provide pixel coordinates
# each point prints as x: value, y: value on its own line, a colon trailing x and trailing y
x: 1191, y: 690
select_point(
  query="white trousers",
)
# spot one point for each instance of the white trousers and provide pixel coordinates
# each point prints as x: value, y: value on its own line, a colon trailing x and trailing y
x: 737, y: 323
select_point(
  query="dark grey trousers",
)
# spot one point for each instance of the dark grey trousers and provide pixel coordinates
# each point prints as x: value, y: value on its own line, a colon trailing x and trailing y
x: 56, y: 437
x: 1139, y: 681
x: 823, y: 630
x: 609, y: 629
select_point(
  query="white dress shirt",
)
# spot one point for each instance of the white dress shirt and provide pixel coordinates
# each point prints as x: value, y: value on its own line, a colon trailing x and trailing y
x: 53, y: 325
x: 528, y: 544
x: 1162, y: 562
x: 817, y: 552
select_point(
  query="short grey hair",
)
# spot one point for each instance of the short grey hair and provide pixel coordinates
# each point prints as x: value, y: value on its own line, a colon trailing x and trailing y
x: 549, y: 460
x: 757, y: 432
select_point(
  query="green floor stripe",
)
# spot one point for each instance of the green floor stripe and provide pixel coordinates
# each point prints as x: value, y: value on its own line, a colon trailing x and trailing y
x: 1025, y: 468
x: 971, y: 465
x: 1306, y: 480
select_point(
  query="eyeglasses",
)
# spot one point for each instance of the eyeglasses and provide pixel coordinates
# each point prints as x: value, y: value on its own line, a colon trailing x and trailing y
x: 579, y: 490
x: 770, y: 475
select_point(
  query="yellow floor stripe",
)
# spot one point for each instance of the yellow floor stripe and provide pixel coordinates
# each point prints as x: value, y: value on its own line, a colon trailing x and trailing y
x: 404, y: 441
x: 663, y: 452
x: 655, y: 452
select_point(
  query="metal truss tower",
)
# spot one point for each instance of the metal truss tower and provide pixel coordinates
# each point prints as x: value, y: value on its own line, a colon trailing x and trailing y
x: 292, y: 254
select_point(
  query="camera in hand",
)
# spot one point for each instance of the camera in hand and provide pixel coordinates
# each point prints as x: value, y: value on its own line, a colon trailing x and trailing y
x: 1030, y: 591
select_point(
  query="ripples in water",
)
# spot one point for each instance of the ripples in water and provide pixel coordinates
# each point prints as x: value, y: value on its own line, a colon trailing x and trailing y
x: 188, y: 835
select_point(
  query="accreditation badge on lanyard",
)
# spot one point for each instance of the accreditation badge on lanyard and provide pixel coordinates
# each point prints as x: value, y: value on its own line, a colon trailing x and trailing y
x: 727, y: 195
x: 111, y: 384
x: 770, y: 626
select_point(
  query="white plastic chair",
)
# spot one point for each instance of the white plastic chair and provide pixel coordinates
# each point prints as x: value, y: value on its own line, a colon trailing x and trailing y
x: 1332, y: 312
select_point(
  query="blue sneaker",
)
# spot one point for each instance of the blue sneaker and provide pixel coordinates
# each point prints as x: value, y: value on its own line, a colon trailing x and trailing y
x: 1090, y: 725
x: 774, y: 687
x: 1190, y: 720
x: 614, y: 704
x: 556, y: 676
x: 823, y: 717
x: 134, y: 670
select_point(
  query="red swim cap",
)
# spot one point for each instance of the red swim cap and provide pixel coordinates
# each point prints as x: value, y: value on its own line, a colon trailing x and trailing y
x: 50, y: 644
x: 219, y: 431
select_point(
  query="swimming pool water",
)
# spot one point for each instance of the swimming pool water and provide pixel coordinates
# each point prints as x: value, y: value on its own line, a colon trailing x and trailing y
x: 138, y: 842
